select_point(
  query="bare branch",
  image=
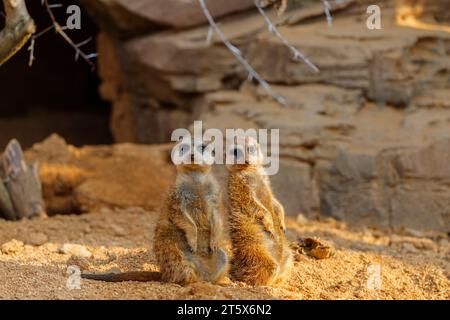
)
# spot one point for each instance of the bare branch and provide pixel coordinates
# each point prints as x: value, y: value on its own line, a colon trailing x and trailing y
x: 60, y: 30
x: 273, y: 29
x: 326, y: 10
x: 19, y: 27
x: 252, y: 74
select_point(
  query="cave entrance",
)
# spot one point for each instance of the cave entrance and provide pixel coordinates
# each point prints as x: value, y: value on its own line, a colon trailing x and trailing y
x: 57, y: 94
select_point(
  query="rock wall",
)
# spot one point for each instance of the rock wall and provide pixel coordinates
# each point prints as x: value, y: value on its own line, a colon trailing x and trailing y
x: 366, y: 140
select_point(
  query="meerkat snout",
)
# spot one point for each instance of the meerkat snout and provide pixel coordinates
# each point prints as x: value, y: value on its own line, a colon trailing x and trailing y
x: 193, y: 155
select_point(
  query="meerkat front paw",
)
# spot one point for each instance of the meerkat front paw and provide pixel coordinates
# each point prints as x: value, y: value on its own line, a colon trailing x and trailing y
x: 214, y: 245
x: 192, y: 242
x: 268, y: 226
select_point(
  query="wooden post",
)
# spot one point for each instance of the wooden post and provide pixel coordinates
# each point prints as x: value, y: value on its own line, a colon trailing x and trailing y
x: 22, y: 183
x: 6, y: 206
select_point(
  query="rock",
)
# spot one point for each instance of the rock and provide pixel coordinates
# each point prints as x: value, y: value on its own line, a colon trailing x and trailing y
x: 12, y: 247
x: 294, y: 188
x: 130, y: 17
x: 347, y: 191
x: 405, y: 184
x: 75, y: 250
x: 54, y: 147
x: 115, y: 185
x: 36, y: 239
x: 301, y: 219
x: 417, y: 243
x: 408, y: 247
x: 79, y: 261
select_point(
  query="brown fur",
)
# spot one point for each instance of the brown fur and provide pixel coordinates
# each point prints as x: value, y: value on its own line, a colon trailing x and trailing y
x: 261, y: 255
x: 188, y: 237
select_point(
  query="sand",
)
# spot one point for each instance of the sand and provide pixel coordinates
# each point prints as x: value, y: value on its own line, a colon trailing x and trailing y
x: 412, y: 264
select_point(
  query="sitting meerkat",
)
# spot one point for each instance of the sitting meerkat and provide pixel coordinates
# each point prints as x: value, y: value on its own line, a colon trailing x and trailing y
x: 188, y: 236
x: 261, y: 255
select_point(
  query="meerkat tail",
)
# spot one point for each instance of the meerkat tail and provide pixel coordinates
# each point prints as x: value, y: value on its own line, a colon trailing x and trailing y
x: 142, y: 276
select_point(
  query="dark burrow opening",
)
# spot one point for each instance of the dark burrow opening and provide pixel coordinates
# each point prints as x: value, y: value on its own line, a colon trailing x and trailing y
x: 57, y: 94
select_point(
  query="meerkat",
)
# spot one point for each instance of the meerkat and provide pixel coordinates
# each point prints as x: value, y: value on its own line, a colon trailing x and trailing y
x: 261, y: 255
x: 188, y: 236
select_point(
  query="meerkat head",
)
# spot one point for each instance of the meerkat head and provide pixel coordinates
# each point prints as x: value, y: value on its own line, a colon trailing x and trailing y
x: 193, y: 155
x: 246, y: 156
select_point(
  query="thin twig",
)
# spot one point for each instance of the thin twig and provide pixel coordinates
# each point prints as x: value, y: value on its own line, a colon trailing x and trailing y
x: 252, y: 74
x: 326, y: 10
x: 60, y: 30
x: 31, y: 50
x: 273, y: 29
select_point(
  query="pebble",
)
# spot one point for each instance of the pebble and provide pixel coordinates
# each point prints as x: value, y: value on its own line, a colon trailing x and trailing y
x: 12, y: 247
x: 76, y: 250
x: 408, y: 247
x: 414, y: 233
x: 36, y: 239
x: 80, y: 262
x: 118, y: 230
x: 301, y: 219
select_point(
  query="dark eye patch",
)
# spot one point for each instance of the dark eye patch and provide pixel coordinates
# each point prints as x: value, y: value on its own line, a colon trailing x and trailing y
x: 201, y: 148
x: 184, y: 148
x: 237, y: 153
x: 251, y: 150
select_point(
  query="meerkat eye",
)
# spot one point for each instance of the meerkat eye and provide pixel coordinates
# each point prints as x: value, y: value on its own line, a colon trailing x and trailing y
x: 201, y: 148
x: 251, y: 150
x: 184, y: 148
x: 237, y: 153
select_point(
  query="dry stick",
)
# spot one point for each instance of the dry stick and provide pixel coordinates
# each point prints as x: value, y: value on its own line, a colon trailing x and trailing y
x: 237, y: 54
x: 33, y: 41
x: 60, y: 30
x: 326, y: 9
x: 19, y: 27
x: 273, y: 29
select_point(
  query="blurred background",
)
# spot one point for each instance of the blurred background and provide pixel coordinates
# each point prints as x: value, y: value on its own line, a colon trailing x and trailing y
x: 56, y: 94
x: 366, y: 140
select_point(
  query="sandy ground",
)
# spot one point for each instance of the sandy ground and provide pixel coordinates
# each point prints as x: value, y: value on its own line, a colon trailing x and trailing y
x: 413, y: 265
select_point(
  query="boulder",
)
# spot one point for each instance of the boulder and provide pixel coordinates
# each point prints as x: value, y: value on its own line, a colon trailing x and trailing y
x: 131, y: 17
